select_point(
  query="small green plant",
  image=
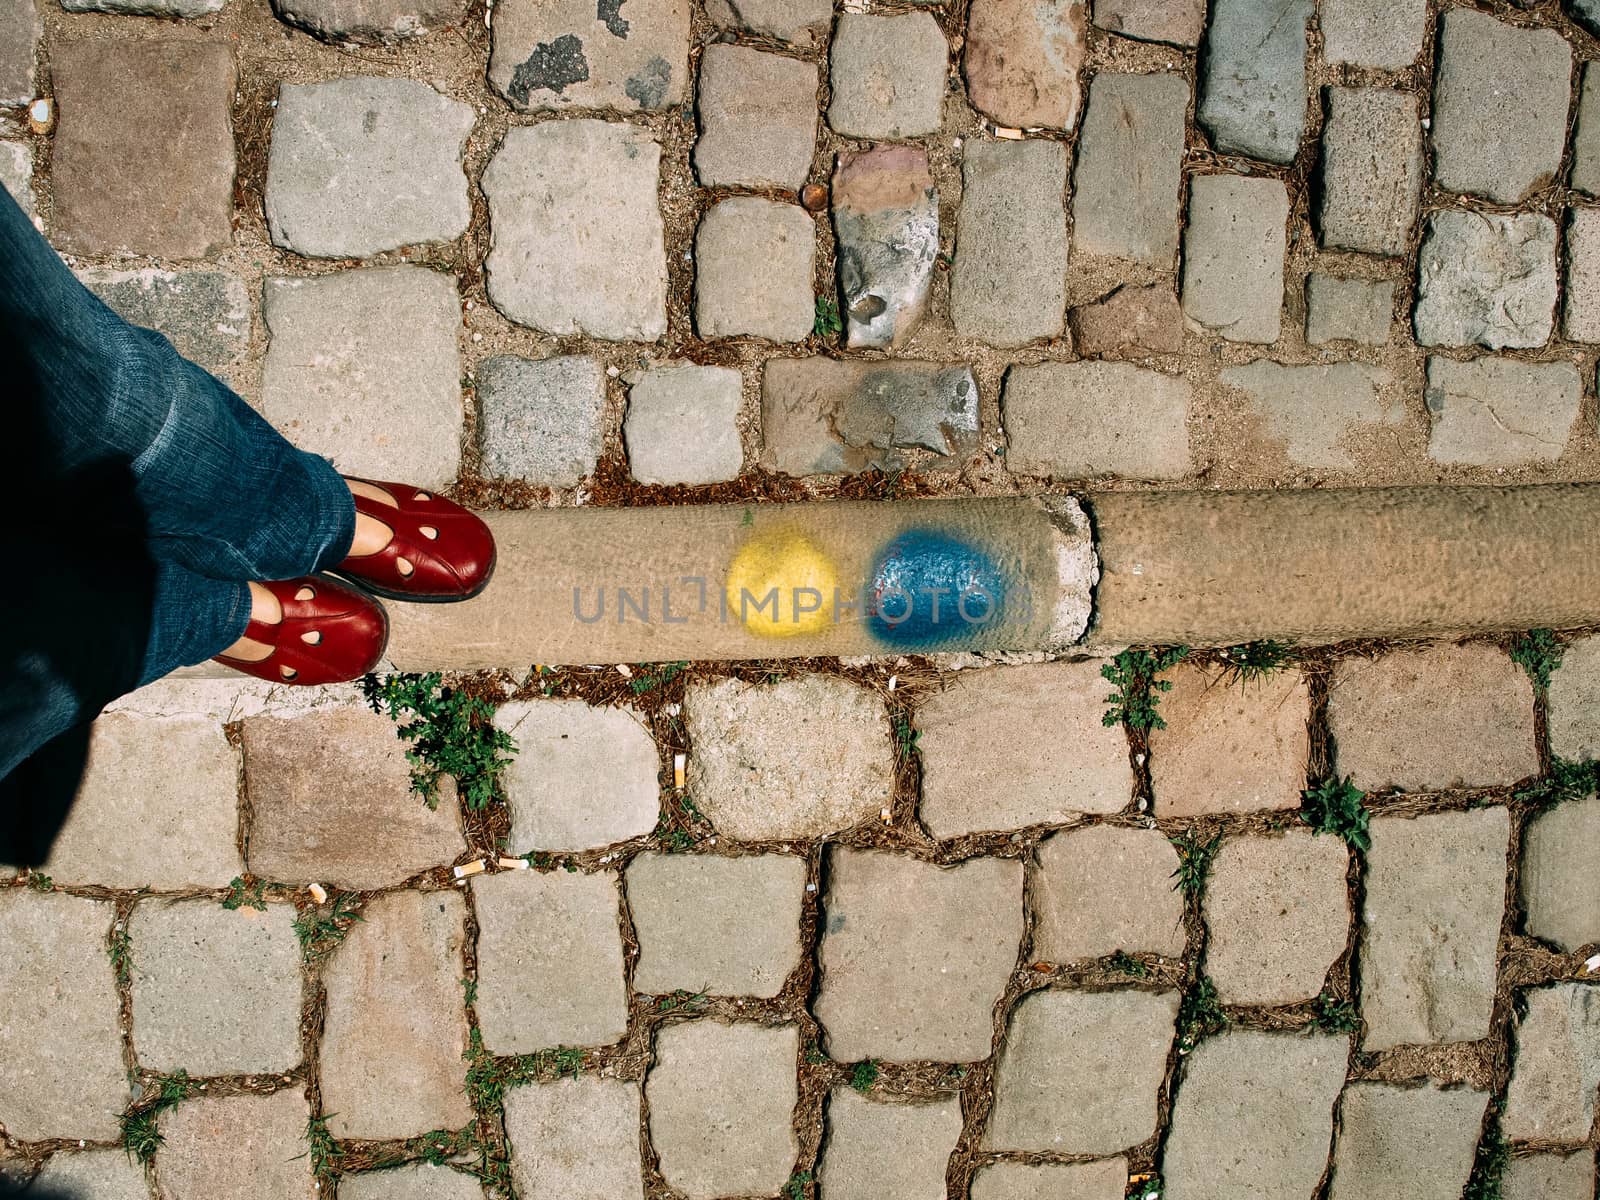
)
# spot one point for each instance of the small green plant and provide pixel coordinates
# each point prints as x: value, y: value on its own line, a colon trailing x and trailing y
x: 1200, y: 1015
x: 1149, y: 1189
x: 1194, y: 861
x: 1567, y: 780
x: 907, y: 740
x: 650, y: 680
x: 1538, y: 653
x: 486, y: 1080
x: 864, y: 1075
x: 436, y: 1147
x: 566, y: 1060
x: 1337, y: 806
x: 40, y: 882
x: 240, y: 896
x: 323, y: 1151
x: 1128, y: 965
x: 1254, y: 661
x: 828, y: 322
x: 119, y: 947
x: 1489, y: 1168
x: 795, y: 1189
x: 140, y: 1137
x: 1333, y: 1015
x: 450, y: 733
x: 320, y: 930
x: 469, y: 989
x: 814, y: 1053
x: 681, y: 1000
x: 1133, y: 674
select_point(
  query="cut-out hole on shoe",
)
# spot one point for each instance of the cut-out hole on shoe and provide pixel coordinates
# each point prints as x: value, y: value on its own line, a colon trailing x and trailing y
x: 289, y: 674
x: 422, y: 496
x: 306, y: 592
x: 314, y: 638
x: 429, y: 532
x: 406, y: 568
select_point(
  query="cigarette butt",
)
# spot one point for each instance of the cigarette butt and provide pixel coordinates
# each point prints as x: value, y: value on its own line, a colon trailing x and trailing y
x: 624, y: 671
x: 513, y: 864
x: 1010, y: 135
x: 893, y: 681
x: 475, y: 867
x: 1592, y: 965
x: 884, y: 815
x: 678, y: 763
x: 318, y: 893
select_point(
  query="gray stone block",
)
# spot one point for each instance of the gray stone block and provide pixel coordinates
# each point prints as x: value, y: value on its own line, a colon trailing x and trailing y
x: 758, y: 118
x: 540, y: 421
x: 1580, y: 321
x: 1486, y: 279
x: 1008, y: 282
x: 575, y: 1138
x: 1233, y: 256
x: 1371, y: 170
x: 1023, y: 59
x: 1103, y: 889
x: 1083, y: 419
x: 823, y: 416
x: 1316, y: 409
x: 915, y: 956
x: 1574, y: 701
x: 561, y: 54
x: 1386, y: 34
x: 1586, y: 136
x: 1414, y: 1141
x: 804, y: 22
x: 549, y: 961
x: 419, y: 1181
x: 204, y: 314
x: 16, y: 175
x: 1252, y: 100
x: 886, y: 217
x: 722, y: 1103
x: 147, y: 8
x: 1500, y: 97
x: 215, y: 991
x: 1549, y: 1177
x: 20, y: 31
x: 369, y: 22
x: 1497, y: 412
x: 724, y: 926
x: 1555, y: 1069
x: 1272, y: 1093
x: 361, y: 165
x: 753, y: 266
x: 888, y: 75
x: 1348, y: 310
x: 1131, y: 319
x: 1081, y: 1071
x: 1436, y: 892
x: 799, y: 759
x: 237, y: 1148
x: 1105, y: 1179
x: 364, y: 368
x: 682, y: 424
x: 61, y: 1072
x: 1558, y: 849
x: 577, y: 229
x: 91, y: 1174
x: 1176, y: 21
x: 875, y: 1149
x: 1129, y: 171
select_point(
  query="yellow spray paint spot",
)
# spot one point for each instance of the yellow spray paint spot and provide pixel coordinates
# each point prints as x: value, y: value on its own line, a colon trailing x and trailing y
x: 781, y: 584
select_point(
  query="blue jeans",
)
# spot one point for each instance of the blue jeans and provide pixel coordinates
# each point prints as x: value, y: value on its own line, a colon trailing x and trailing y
x: 142, y: 494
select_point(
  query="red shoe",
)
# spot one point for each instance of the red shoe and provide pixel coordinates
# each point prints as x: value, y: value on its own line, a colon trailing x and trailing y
x: 330, y: 633
x: 439, y: 551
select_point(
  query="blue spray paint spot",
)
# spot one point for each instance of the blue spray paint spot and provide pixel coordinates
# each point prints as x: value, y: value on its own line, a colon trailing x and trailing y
x: 929, y: 588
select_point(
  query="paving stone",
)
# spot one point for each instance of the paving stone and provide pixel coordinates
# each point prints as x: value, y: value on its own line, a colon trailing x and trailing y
x: 1106, y: 888
x: 1348, y: 310
x: 1500, y: 97
x: 577, y: 229
x: 888, y: 75
x: 1371, y: 170
x: 1023, y: 60
x: 16, y: 175
x: 1586, y: 13
x: 722, y: 1103
x: 215, y: 992
x: 359, y: 355
x: 1013, y: 746
x: 1413, y: 1141
x: 1008, y: 282
x: 549, y: 961
x: 151, y: 8
x: 1129, y: 172
x: 775, y: 302
x: 1581, y: 314
x: 886, y: 218
x: 540, y: 421
x: 583, y: 777
x: 236, y: 1148
x: 804, y: 22
x: 61, y: 1072
x: 1233, y: 256
x: 379, y: 833
x: 20, y: 31
x: 90, y: 1174
x: 758, y: 118
x: 1175, y: 21
x: 823, y: 416
x: 368, y: 22
x: 724, y: 926
x: 420, y: 1181
x: 1549, y: 1177
x: 561, y: 54
x: 575, y: 1138
x: 1312, y: 409
x: 1230, y: 747
x: 1386, y: 34
x: 1279, y: 915
x: 1446, y: 716
x: 1586, y: 136
x: 915, y: 956
x: 158, y: 806
x: 1436, y: 890
x: 1133, y: 319
x: 1500, y: 411
x: 1253, y: 98
x: 1556, y: 1065
x: 1081, y: 419
x: 1558, y: 892
x: 682, y: 424
x: 1488, y: 279
x: 1061, y: 1050
x: 875, y: 1149
x: 119, y: 102
x: 1271, y: 1092
x: 395, y: 1030
x: 802, y: 758
x: 361, y: 165
x: 204, y: 314
x: 1574, y: 701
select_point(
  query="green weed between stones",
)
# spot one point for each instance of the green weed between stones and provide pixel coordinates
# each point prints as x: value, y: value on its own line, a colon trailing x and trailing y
x: 321, y: 930
x: 660, y: 677
x: 1194, y: 861
x: 323, y: 1151
x: 907, y: 740
x: 1490, y: 1167
x: 118, y: 948
x: 1332, y: 1015
x: 489, y: 1077
x: 1200, y: 1015
x: 1567, y: 780
x: 1538, y: 653
x: 681, y: 1000
x: 1337, y: 806
x: 1133, y: 674
x: 240, y: 896
x: 38, y: 881
x: 795, y: 1189
x: 1128, y: 965
x: 828, y: 322
x: 140, y: 1137
x: 469, y: 989
x: 864, y: 1075
x: 450, y: 733
x: 1254, y: 661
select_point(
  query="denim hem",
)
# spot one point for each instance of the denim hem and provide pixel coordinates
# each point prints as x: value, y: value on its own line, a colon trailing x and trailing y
x: 337, y: 512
